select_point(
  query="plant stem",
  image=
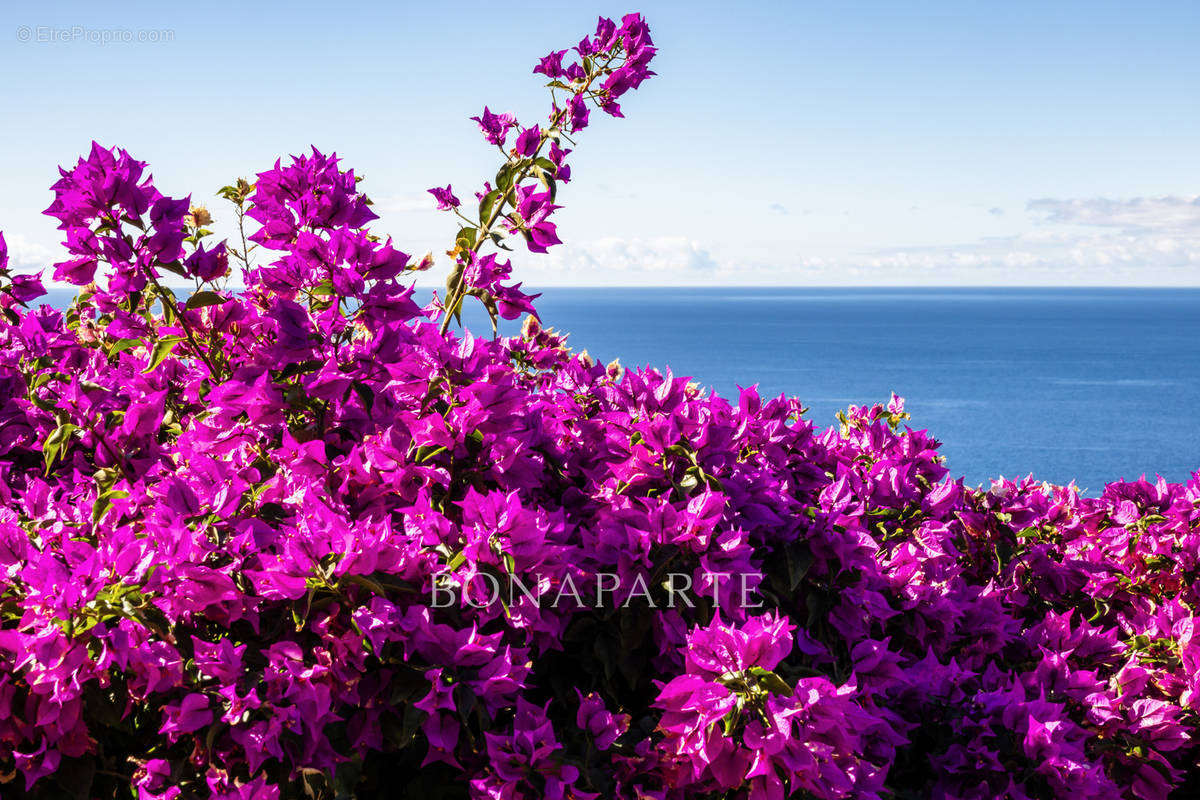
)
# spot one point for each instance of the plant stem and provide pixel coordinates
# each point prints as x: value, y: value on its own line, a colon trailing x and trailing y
x: 455, y: 295
x: 168, y: 297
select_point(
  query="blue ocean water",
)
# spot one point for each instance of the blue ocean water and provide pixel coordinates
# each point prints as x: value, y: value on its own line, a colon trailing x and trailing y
x: 1091, y: 385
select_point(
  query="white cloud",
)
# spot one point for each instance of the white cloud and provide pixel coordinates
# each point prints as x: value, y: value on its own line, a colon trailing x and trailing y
x: 1047, y: 254
x: 615, y: 261
x: 23, y: 252
x: 1151, y: 250
x: 408, y: 201
x: 1087, y: 241
x: 1091, y: 241
x: 1136, y: 215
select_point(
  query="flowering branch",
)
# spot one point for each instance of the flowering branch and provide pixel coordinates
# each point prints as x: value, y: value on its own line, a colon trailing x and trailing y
x: 617, y: 55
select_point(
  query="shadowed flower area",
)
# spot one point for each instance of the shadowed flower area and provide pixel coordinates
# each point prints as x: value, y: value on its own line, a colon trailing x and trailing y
x: 225, y: 520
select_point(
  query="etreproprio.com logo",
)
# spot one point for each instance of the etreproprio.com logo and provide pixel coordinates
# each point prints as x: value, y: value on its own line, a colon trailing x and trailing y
x: 52, y: 34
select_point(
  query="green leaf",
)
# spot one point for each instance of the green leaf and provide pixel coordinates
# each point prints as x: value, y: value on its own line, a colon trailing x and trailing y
x: 176, y: 268
x: 413, y: 717
x: 121, y: 345
x: 489, y: 303
x: 1102, y: 608
x: 169, y: 315
x: 466, y: 238
x: 55, y: 442
x: 346, y: 778
x: 202, y: 299
x: 365, y: 393
x: 504, y: 179
x: 104, y: 503
x: 366, y: 583
x: 298, y: 367
x: 550, y: 184
x: 799, y: 559
x: 300, y: 615
x: 545, y: 171
x: 43, y: 403
x: 162, y: 349
x: 428, y: 451
x: 42, y: 378
x: 770, y: 681
x: 486, y: 205
x: 454, y: 278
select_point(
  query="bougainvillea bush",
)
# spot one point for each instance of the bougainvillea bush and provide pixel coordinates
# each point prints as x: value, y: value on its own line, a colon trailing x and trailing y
x: 310, y: 539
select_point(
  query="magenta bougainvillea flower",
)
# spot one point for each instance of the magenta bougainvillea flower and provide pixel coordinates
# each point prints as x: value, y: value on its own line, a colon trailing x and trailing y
x: 551, y: 66
x: 528, y: 141
x: 445, y: 198
x: 495, y: 127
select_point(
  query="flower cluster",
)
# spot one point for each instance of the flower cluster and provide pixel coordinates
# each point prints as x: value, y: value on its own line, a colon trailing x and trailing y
x: 225, y: 520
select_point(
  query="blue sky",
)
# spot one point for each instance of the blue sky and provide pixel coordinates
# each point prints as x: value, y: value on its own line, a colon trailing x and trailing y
x: 802, y: 143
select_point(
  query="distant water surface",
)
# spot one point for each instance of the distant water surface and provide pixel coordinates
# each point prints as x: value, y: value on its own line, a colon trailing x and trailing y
x: 1086, y: 384
x: 1091, y: 385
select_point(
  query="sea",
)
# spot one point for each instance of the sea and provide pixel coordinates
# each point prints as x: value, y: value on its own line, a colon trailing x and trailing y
x: 1090, y: 385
